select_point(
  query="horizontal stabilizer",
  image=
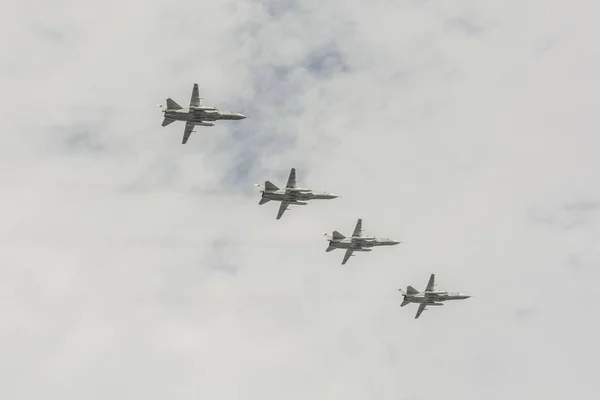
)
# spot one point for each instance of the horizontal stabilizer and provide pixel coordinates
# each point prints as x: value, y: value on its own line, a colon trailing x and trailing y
x: 270, y: 187
x: 337, y: 236
x: 405, y: 302
x: 329, y: 248
x: 167, y: 121
x: 263, y: 201
x: 171, y: 105
x: 411, y: 290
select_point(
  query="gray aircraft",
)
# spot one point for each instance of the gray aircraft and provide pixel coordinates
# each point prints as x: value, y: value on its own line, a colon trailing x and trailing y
x: 430, y: 297
x: 291, y: 195
x: 357, y: 242
x: 195, y: 114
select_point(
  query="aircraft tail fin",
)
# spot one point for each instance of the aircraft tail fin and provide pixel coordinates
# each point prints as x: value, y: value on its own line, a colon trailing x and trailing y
x: 172, y: 105
x: 404, y: 302
x: 263, y: 200
x: 270, y: 187
x: 411, y: 290
x: 167, y: 121
x: 337, y: 235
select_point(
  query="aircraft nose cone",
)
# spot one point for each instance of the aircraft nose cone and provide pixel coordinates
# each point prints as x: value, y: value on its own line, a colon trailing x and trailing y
x: 394, y: 242
x: 333, y: 196
x: 241, y: 116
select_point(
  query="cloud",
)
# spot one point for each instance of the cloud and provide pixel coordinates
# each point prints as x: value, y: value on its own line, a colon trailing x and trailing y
x: 133, y: 266
x: 567, y: 216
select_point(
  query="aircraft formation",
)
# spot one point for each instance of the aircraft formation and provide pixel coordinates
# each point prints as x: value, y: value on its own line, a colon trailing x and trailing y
x: 198, y: 114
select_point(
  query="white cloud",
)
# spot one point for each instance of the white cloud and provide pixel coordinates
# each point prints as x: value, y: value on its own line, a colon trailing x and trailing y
x: 133, y: 266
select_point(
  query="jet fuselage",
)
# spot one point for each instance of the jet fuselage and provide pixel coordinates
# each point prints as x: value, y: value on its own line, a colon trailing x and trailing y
x: 296, y: 194
x: 198, y: 115
x: 432, y: 297
x: 360, y: 242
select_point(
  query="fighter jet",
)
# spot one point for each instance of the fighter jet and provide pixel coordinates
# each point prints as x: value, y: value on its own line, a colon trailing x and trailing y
x: 195, y: 114
x: 291, y: 195
x: 430, y: 297
x: 357, y: 242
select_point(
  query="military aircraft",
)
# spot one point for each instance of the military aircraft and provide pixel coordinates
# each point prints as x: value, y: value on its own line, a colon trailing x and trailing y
x: 357, y: 242
x: 195, y: 114
x: 291, y: 195
x: 430, y: 297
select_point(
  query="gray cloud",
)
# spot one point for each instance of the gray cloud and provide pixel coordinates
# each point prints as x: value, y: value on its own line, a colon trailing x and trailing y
x: 464, y: 25
x: 566, y: 216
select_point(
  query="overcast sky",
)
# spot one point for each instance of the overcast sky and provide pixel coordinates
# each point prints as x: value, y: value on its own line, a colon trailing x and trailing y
x: 135, y: 267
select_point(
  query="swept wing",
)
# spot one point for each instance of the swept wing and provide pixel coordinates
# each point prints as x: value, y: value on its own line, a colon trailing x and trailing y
x: 347, y: 255
x: 431, y: 283
x: 358, y: 228
x: 282, y: 207
x: 195, y: 100
x: 291, y: 183
x: 189, y: 128
x: 421, y: 309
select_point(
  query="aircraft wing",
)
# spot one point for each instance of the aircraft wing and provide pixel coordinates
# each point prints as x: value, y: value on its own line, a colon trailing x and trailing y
x: 358, y: 228
x: 282, y: 208
x: 431, y: 283
x: 195, y: 100
x: 421, y: 309
x: 189, y: 128
x: 291, y: 183
x: 347, y: 256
